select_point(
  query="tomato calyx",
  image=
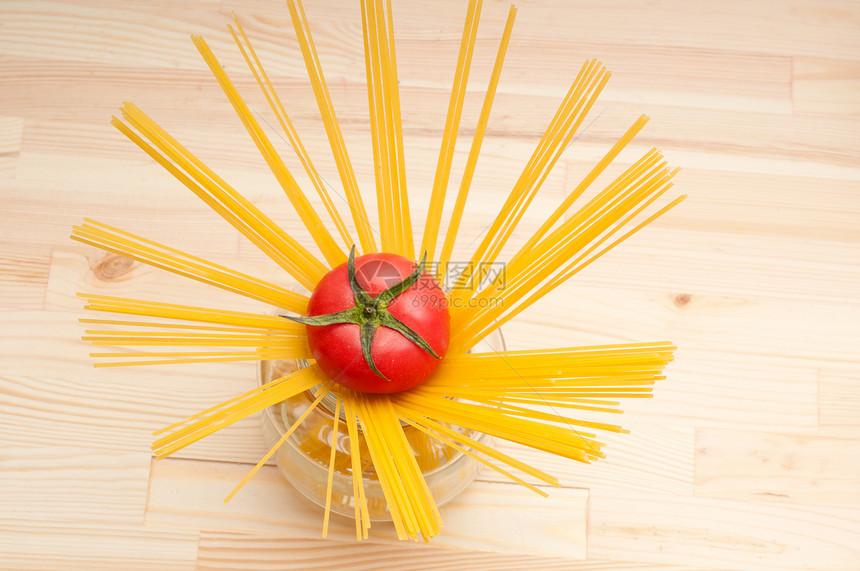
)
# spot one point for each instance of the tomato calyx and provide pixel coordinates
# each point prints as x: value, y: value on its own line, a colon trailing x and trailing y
x: 370, y: 313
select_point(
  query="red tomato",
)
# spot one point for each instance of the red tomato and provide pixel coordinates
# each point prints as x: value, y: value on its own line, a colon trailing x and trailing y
x: 337, y: 347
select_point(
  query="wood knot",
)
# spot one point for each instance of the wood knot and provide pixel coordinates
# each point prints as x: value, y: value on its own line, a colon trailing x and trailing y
x: 112, y: 267
x: 681, y: 299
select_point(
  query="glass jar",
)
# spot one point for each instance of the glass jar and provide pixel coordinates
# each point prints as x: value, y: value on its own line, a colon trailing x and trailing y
x: 304, y: 456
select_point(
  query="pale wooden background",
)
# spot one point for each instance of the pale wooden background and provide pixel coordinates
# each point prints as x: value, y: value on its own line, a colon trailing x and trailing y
x: 748, y: 457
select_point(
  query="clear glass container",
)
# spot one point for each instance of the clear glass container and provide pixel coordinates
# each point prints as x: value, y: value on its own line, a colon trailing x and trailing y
x: 304, y: 457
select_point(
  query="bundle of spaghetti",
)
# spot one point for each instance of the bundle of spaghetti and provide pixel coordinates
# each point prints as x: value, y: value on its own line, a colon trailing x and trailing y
x: 515, y: 427
x: 267, y: 344
x: 383, y: 96
x: 186, y: 357
x: 576, y: 239
x: 600, y: 214
x: 472, y: 161
x: 107, y: 337
x: 331, y: 466
x: 500, y: 400
x: 413, y: 510
x: 577, y: 103
x: 332, y: 126
x: 531, y: 404
x: 573, y: 378
x: 223, y: 320
x: 277, y: 107
x: 473, y: 449
x: 564, y: 362
x: 273, y: 337
x: 586, y: 182
x: 543, y: 418
x: 362, y: 517
x: 158, y: 255
x: 574, y: 267
x: 331, y: 251
x: 204, y: 423
x: 574, y: 389
x: 565, y: 205
x: 221, y: 197
x: 452, y: 126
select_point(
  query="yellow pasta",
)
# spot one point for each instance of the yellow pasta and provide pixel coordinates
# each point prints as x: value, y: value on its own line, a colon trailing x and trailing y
x: 474, y: 151
x: 333, y: 254
x: 468, y: 452
x: 552, y: 400
x: 277, y: 107
x: 332, y: 127
x: 330, y: 480
x: 158, y: 255
x: 197, y: 427
x: 248, y: 220
x: 362, y: 519
x: 219, y: 319
x: 386, y: 129
x: 269, y: 337
x: 277, y: 445
x: 579, y: 100
x: 452, y: 125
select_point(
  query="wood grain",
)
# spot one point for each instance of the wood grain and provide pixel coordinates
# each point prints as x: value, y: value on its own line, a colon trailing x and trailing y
x: 223, y: 551
x: 838, y: 401
x: 803, y: 469
x: 65, y: 483
x: 746, y: 457
x: 189, y: 493
x: 719, y: 534
x: 102, y: 546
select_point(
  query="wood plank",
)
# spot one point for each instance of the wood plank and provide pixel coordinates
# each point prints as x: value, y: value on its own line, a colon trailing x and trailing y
x: 68, y: 483
x: 23, y: 276
x: 718, y: 76
x: 818, y: 138
x: 50, y: 410
x: 808, y: 28
x: 92, y: 271
x: 44, y: 89
x: 826, y: 86
x: 795, y: 468
x: 63, y: 400
x: 246, y: 552
x: 11, y: 135
x: 805, y: 334
x: 98, y: 546
x: 722, y: 534
x: 808, y: 138
x: 502, y: 518
x: 839, y: 402
x: 641, y: 73
x: 72, y: 31
x: 32, y: 222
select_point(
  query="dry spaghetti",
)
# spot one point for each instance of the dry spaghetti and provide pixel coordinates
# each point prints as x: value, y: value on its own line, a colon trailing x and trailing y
x: 530, y: 397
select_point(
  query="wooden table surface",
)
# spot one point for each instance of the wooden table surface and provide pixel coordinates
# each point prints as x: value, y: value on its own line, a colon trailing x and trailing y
x: 747, y: 458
